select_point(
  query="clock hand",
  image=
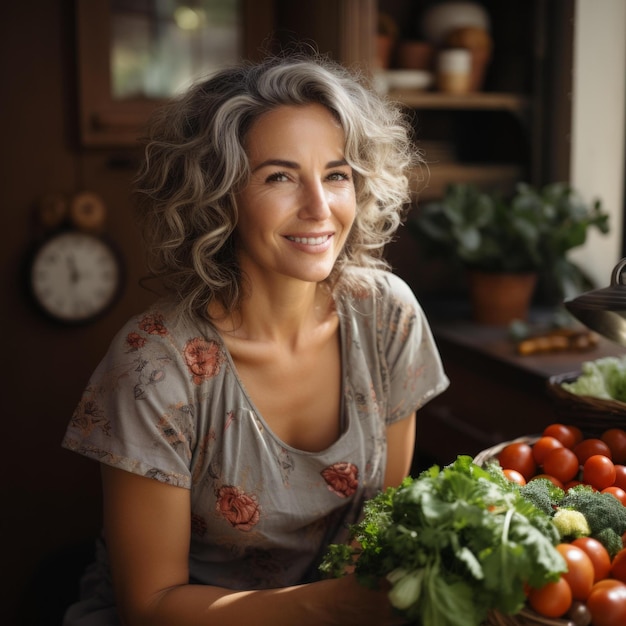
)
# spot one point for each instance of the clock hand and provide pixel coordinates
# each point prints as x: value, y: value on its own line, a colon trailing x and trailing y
x: 74, y: 275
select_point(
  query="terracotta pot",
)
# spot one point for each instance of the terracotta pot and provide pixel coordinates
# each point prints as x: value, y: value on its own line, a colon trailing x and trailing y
x: 384, y: 49
x: 415, y: 55
x: 500, y: 298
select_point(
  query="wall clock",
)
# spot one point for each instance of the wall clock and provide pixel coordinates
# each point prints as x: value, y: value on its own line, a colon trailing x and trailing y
x: 75, y: 276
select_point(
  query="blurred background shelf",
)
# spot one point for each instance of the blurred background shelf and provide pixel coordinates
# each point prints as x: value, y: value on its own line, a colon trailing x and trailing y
x: 429, y: 184
x: 512, y: 102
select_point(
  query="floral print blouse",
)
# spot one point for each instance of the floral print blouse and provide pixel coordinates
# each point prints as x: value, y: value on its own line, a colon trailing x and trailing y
x: 166, y: 402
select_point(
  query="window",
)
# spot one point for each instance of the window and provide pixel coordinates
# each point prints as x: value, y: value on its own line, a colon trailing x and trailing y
x: 134, y: 53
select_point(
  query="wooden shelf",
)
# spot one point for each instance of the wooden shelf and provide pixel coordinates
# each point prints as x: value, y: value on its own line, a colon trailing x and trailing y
x: 483, y: 101
x: 431, y: 183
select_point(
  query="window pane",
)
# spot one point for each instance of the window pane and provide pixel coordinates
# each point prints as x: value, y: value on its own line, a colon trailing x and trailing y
x: 160, y: 46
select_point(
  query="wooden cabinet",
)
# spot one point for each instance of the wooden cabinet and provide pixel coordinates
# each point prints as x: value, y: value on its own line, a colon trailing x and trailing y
x: 514, y: 128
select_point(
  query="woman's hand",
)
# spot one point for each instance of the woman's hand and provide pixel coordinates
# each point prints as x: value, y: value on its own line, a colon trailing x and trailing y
x: 353, y: 603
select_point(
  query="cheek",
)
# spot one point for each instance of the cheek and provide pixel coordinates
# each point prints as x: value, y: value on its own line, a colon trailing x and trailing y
x: 350, y: 210
x: 345, y: 202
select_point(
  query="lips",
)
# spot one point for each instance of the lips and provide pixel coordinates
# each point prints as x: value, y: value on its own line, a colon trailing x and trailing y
x: 310, y: 241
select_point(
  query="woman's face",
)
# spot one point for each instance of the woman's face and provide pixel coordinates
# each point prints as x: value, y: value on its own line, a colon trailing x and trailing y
x: 297, y: 210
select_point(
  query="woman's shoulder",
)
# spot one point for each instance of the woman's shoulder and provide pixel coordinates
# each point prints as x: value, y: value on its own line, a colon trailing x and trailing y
x: 393, y: 285
x: 160, y: 326
x: 384, y: 288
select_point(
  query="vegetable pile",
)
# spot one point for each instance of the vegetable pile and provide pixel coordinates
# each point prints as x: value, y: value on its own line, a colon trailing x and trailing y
x: 454, y: 543
x: 581, y: 484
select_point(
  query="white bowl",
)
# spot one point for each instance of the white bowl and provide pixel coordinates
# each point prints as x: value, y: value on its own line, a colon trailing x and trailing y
x: 408, y: 79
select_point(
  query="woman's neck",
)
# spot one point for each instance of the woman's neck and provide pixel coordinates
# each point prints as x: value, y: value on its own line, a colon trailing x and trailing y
x: 288, y: 315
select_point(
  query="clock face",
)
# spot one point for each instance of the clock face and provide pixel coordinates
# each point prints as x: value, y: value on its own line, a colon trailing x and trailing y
x: 75, y: 276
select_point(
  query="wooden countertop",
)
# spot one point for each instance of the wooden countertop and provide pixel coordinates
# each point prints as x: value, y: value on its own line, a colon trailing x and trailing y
x: 494, y: 342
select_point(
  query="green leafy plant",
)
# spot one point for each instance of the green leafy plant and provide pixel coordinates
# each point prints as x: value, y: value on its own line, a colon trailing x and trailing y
x: 531, y: 230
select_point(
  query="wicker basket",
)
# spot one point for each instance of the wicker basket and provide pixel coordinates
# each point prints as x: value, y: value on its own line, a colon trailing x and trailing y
x: 490, y: 453
x: 592, y: 415
x: 526, y: 617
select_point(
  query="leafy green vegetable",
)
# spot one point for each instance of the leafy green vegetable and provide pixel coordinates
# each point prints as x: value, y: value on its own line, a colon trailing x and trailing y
x: 603, y: 378
x: 453, y: 543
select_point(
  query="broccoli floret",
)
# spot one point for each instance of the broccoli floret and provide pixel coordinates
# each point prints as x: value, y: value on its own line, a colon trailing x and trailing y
x: 571, y: 524
x: 543, y: 494
x: 610, y: 540
x: 602, y: 510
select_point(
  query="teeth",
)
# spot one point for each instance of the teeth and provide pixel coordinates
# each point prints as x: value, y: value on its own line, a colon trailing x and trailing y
x: 311, y: 241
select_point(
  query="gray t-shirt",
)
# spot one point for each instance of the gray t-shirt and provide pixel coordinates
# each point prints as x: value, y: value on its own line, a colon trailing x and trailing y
x: 166, y: 402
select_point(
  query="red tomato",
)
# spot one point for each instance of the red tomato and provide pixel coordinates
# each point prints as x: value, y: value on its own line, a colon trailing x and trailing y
x: 567, y: 435
x: 551, y: 600
x: 607, y: 605
x: 607, y: 583
x: 518, y: 456
x: 580, y: 571
x: 561, y: 463
x: 578, y: 434
x: 618, y: 566
x: 598, y: 554
x: 618, y: 492
x: 589, y: 447
x: 542, y: 446
x: 615, y: 438
x: 599, y: 471
x: 620, y: 476
x: 514, y: 476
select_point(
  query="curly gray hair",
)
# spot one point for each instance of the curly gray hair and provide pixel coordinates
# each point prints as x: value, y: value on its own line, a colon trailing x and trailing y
x: 195, y: 164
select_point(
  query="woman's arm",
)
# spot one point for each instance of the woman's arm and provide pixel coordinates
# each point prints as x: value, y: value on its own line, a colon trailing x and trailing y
x: 400, y: 449
x: 147, y: 532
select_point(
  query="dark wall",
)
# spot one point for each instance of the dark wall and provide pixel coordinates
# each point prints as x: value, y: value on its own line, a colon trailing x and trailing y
x: 50, y: 497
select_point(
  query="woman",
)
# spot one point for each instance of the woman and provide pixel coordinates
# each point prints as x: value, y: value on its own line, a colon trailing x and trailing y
x: 242, y: 421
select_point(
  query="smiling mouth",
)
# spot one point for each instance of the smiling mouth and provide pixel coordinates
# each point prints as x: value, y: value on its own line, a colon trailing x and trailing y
x: 311, y: 241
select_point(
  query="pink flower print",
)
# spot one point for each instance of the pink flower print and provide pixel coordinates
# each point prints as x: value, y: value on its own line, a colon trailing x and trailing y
x: 240, y: 509
x: 153, y: 324
x: 342, y: 478
x: 203, y: 358
x: 135, y: 341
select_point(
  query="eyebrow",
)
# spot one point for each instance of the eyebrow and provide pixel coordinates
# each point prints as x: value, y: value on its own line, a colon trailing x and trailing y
x: 295, y: 166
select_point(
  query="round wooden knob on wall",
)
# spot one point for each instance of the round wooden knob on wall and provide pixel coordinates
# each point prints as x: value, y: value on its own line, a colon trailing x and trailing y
x: 87, y: 212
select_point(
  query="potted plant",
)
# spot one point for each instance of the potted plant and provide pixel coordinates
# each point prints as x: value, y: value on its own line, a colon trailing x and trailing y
x: 526, y: 236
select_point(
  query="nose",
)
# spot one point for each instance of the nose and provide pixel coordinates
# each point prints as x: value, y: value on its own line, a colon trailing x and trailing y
x: 314, y: 201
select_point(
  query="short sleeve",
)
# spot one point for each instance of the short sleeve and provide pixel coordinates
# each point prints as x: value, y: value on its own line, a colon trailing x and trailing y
x: 137, y: 411
x: 414, y: 368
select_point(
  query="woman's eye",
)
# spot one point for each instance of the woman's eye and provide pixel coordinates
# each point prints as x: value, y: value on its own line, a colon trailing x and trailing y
x: 277, y: 177
x: 338, y: 176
